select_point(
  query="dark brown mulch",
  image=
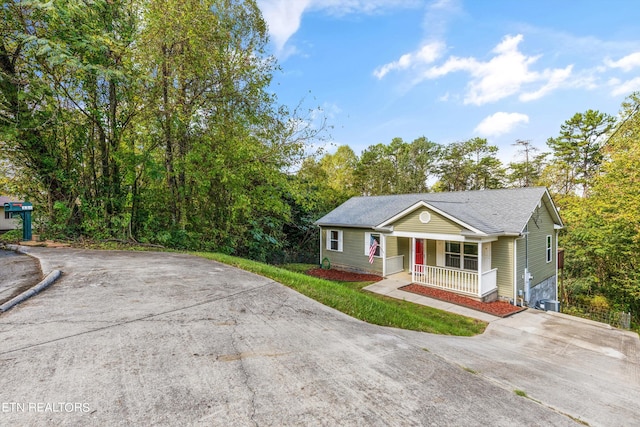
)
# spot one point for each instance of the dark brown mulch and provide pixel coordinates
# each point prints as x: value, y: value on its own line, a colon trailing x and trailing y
x: 343, y: 276
x: 497, y: 308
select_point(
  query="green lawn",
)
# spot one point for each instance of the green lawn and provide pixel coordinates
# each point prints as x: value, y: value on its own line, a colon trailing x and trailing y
x: 349, y: 298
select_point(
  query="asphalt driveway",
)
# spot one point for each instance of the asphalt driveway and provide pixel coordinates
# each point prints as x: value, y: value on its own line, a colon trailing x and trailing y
x: 127, y: 338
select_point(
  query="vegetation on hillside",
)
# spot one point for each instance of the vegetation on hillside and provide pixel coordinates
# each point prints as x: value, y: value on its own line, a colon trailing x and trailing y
x: 153, y: 122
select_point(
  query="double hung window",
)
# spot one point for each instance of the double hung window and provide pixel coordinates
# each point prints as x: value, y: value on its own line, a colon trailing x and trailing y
x: 461, y: 255
x: 334, y: 240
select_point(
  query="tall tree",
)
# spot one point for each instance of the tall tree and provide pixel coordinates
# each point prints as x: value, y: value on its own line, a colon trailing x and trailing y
x: 66, y: 79
x: 470, y: 165
x: 577, y: 150
x: 603, y: 239
x: 528, y: 170
x: 397, y: 168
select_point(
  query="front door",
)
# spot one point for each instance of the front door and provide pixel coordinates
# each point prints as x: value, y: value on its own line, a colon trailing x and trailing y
x: 419, y: 252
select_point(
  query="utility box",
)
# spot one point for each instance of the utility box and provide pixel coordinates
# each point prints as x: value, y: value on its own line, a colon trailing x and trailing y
x: 23, y: 210
x: 552, y: 305
x: 548, y: 305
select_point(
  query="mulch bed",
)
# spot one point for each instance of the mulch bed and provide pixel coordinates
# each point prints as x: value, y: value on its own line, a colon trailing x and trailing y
x: 497, y: 308
x: 343, y: 276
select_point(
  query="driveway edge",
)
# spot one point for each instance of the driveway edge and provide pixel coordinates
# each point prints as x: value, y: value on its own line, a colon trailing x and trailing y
x: 48, y: 280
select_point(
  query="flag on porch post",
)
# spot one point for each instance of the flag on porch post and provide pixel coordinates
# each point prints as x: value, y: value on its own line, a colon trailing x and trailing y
x: 373, y: 245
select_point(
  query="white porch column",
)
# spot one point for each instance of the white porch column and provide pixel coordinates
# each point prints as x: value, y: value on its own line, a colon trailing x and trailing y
x: 479, y: 269
x: 383, y: 254
x: 412, y: 259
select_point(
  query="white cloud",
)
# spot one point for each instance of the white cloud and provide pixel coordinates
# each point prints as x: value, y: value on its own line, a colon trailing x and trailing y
x: 500, y: 123
x: 507, y: 73
x: 555, y: 79
x: 427, y: 54
x: 626, y: 63
x: 624, y: 88
x: 284, y: 16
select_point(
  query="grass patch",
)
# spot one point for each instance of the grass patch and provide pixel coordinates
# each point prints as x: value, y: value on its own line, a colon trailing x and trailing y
x: 520, y: 393
x: 350, y: 299
x: 471, y: 371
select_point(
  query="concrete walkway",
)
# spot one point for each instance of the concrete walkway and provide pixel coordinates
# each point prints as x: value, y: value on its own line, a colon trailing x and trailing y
x: 389, y: 287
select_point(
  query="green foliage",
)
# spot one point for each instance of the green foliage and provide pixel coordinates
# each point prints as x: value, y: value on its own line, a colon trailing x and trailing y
x: 577, y: 150
x: 149, y: 121
x: 602, y: 241
x: 11, y: 236
x: 396, y: 168
x: 470, y: 165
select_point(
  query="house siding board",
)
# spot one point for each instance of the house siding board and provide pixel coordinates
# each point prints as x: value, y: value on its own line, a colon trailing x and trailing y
x: 438, y: 224
x: 404, y: 248
x: 502, y: 259
x: 352, y: 256
x: 8, y: 224
x: 391, y: 247
x: 431, y: 253
x: 539, y: 229
x: 521, y: 250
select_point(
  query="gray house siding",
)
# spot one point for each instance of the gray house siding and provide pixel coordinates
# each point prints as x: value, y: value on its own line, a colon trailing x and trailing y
x: 352, y: 257
x: 543, y: 284
x: 539, y: 229
x: 521, y: 253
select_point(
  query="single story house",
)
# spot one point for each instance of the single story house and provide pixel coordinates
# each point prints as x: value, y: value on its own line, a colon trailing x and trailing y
x: 488, y: 244
x: 6, y: 222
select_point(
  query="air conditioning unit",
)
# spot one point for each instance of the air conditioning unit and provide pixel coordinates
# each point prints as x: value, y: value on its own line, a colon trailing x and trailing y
x: 552, y: 305
x: 548, y: 305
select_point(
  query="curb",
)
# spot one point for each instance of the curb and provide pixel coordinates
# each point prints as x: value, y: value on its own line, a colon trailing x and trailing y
x: 46, y: 282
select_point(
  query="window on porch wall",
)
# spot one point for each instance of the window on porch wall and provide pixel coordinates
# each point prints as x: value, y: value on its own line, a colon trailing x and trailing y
x: 465, y: 254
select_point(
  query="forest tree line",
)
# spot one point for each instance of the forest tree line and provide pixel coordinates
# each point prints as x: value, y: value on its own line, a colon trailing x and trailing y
x: 153, y: 122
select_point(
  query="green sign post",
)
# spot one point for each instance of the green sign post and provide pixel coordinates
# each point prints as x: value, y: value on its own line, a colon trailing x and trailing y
x: 23, y: 210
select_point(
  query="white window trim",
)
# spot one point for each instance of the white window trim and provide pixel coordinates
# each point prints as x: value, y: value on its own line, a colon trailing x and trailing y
x: 329, y: 240
x: 367, y: 244
x: 462, y: 255
x: 549, y: 248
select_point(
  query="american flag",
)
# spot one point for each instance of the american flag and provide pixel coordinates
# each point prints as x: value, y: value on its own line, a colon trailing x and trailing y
x: 373, y: 245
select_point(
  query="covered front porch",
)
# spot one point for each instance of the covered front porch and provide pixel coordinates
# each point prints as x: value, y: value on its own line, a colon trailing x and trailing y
x: 452, y: 264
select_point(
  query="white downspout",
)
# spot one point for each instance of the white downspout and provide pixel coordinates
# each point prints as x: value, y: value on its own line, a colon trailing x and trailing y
x: 515, y: 272
x: 320, y: 247
x: 556, y: 261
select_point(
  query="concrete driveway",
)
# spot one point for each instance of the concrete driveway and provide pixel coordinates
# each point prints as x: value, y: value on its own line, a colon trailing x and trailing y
x: 126, y: 338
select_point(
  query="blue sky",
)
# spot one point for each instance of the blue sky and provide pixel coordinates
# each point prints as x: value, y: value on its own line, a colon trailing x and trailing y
x: 452, y: 70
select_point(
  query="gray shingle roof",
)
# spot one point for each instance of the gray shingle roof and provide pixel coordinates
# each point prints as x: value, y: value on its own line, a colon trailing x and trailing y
x: 489, y: 211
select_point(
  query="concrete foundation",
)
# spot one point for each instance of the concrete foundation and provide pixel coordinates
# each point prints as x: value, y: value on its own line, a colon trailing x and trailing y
x: 543, y: 290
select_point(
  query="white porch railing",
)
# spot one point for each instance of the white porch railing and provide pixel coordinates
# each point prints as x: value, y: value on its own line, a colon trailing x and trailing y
x: 489, y: 281
x: 455, y: 280
x: 395, y: 264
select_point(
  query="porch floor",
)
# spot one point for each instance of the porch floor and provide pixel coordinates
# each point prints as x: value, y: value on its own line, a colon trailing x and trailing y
x: 389, y: 287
